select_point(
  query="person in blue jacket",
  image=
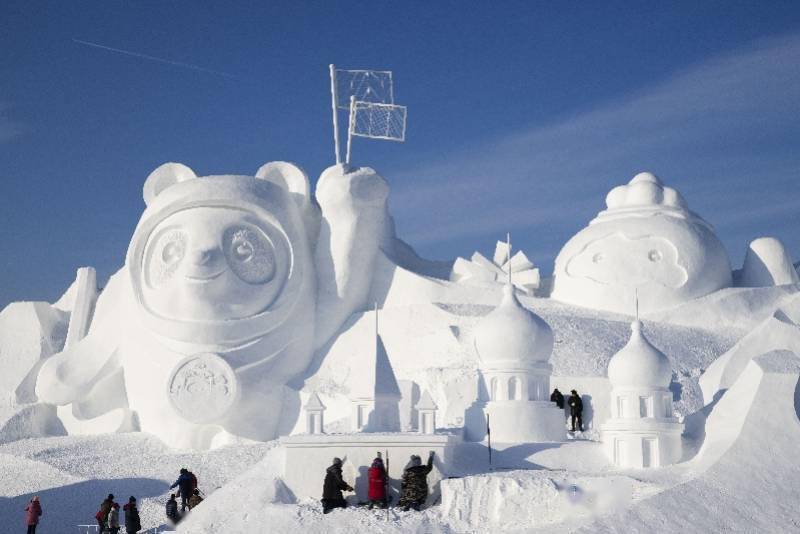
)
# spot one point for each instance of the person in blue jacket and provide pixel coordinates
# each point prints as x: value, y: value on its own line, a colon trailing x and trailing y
x: 186, y: 483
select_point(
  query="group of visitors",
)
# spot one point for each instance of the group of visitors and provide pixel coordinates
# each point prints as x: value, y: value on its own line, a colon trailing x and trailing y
x: 187, y: 491
x: 413, y: 485
x: 108, y: 516
x: 575, y: 406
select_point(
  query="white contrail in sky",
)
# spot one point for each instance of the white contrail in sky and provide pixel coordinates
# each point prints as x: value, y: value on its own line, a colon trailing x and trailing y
x: 153, y: 58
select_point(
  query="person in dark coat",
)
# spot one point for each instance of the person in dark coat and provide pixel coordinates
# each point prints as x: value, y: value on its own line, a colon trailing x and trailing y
x: 186, y: 483
x: 576, y: 410
x: 132, y: 521
x: 102, y: 514
x: 557, y: 397
x: 376, y: 476
x: 32, y: 514
x: 332, y: 488
x: 172, y: 510
x: 414, y: 486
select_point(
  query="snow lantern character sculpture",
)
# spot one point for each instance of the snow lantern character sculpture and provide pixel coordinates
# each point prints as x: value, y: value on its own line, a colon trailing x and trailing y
x: 647, y: 239
x: 642, y: 431
x: 214, y: 312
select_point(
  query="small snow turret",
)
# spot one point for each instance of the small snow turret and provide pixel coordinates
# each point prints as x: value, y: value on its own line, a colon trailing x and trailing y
x: 315, y: 410
x: 642, y: 431
x: 426, y: 410
x: 514, y: 347
x: 512, y: 336
x: 639, y: 363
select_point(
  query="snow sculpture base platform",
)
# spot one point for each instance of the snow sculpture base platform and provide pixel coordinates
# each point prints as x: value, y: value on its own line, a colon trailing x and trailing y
x: 525, y: 421
x: 308, y: 456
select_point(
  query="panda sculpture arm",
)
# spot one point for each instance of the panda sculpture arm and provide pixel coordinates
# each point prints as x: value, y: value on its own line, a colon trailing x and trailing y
x: 355, y: 225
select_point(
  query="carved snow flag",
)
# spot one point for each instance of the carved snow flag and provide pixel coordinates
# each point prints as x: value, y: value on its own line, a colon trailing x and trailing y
x: 372, y: 86
x: 378, y: 121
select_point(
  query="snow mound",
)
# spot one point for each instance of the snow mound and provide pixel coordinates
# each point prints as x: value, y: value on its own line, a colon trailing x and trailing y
x: 519, y: 501
x: 767, y: 263
x: 29, y: 333
x: 777, y: 332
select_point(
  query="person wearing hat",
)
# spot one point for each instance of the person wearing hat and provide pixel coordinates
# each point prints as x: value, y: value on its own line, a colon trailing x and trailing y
x: 113, y: 519
x: 172, y: 510
x: 133, y: 523
x: 32, y: 514
x: 414, y: 485
x: 376, y: 475
x: 102, y: 514
x: 333, y: 486
x: 576, y: 409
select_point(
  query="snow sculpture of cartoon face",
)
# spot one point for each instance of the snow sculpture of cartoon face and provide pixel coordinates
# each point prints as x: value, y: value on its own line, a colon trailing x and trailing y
x: 648, y: 240
x: 220, y: 269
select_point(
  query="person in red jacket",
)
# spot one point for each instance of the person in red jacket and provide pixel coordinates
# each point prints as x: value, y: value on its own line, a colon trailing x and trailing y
x: 377, y: 478
x: 32, y: 513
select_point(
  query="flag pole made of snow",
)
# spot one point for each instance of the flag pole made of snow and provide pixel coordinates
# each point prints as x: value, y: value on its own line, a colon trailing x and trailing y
x: 489, y: 438
x: 388, y: 487
x: 335, y: 117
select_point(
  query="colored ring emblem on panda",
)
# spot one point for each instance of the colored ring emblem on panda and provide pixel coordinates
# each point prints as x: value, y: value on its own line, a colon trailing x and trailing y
x: 203, y: 388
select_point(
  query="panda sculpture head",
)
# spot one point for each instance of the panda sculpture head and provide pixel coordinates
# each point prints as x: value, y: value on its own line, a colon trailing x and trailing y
x: 221, y: 261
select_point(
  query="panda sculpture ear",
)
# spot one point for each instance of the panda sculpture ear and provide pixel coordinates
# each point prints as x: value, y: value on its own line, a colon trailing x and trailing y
x: 289, y: 176
x: 163, y: 177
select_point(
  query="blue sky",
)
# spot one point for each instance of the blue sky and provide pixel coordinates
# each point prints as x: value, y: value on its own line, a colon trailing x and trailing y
x: 522, y: 115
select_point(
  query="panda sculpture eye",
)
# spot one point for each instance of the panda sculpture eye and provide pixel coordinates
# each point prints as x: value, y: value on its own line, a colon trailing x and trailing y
x: 250, y: 254
x: 166, y: 256
x: 654, y: 255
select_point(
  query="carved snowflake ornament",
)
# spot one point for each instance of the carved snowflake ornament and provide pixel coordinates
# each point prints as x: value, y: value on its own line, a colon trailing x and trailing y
x: 480, y: 270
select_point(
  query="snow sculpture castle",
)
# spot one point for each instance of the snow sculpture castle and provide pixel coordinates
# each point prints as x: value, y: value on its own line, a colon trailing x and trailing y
x: 514, y: 346
x: 642, y: 431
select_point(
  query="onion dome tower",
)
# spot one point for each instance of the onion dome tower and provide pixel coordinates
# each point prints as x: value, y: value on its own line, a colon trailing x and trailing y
x: 514, y: 347
x: 642, y: 431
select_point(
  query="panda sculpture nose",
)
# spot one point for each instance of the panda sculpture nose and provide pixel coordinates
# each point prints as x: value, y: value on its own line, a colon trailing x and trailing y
x: 202, y: 256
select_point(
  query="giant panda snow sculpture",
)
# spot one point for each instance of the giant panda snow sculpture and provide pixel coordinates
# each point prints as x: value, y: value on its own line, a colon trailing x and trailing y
x: 647, y: 240
x: 195, y: 339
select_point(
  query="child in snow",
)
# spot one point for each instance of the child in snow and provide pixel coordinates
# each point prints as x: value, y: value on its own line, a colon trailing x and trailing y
x: 333, y: 486
x: 113, y: 519
x: 376, y: 475
x: 172, y: 510
x: 576, y: 410
x: 132, y: 522
x: 102, y: 514
x: 195, y: 499
x: 32, y: 513
x: 414, y: 486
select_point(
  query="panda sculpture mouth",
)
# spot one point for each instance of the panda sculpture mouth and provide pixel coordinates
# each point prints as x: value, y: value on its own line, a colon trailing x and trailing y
x: 204, y: 279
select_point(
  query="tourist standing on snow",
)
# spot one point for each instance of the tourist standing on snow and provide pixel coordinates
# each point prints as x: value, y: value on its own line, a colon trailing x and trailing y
x: 195, y: 499
x: 576, y: 410
x: 558, y: 398
x: 32, y: 514
x: 113, y: 519
x: 333, y: 486
x: 102, y: 514
x: 186, y: 483
x: 172, y: 510
x: 376, y: 475
x: 414, y: 486
x: 133, y: 523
